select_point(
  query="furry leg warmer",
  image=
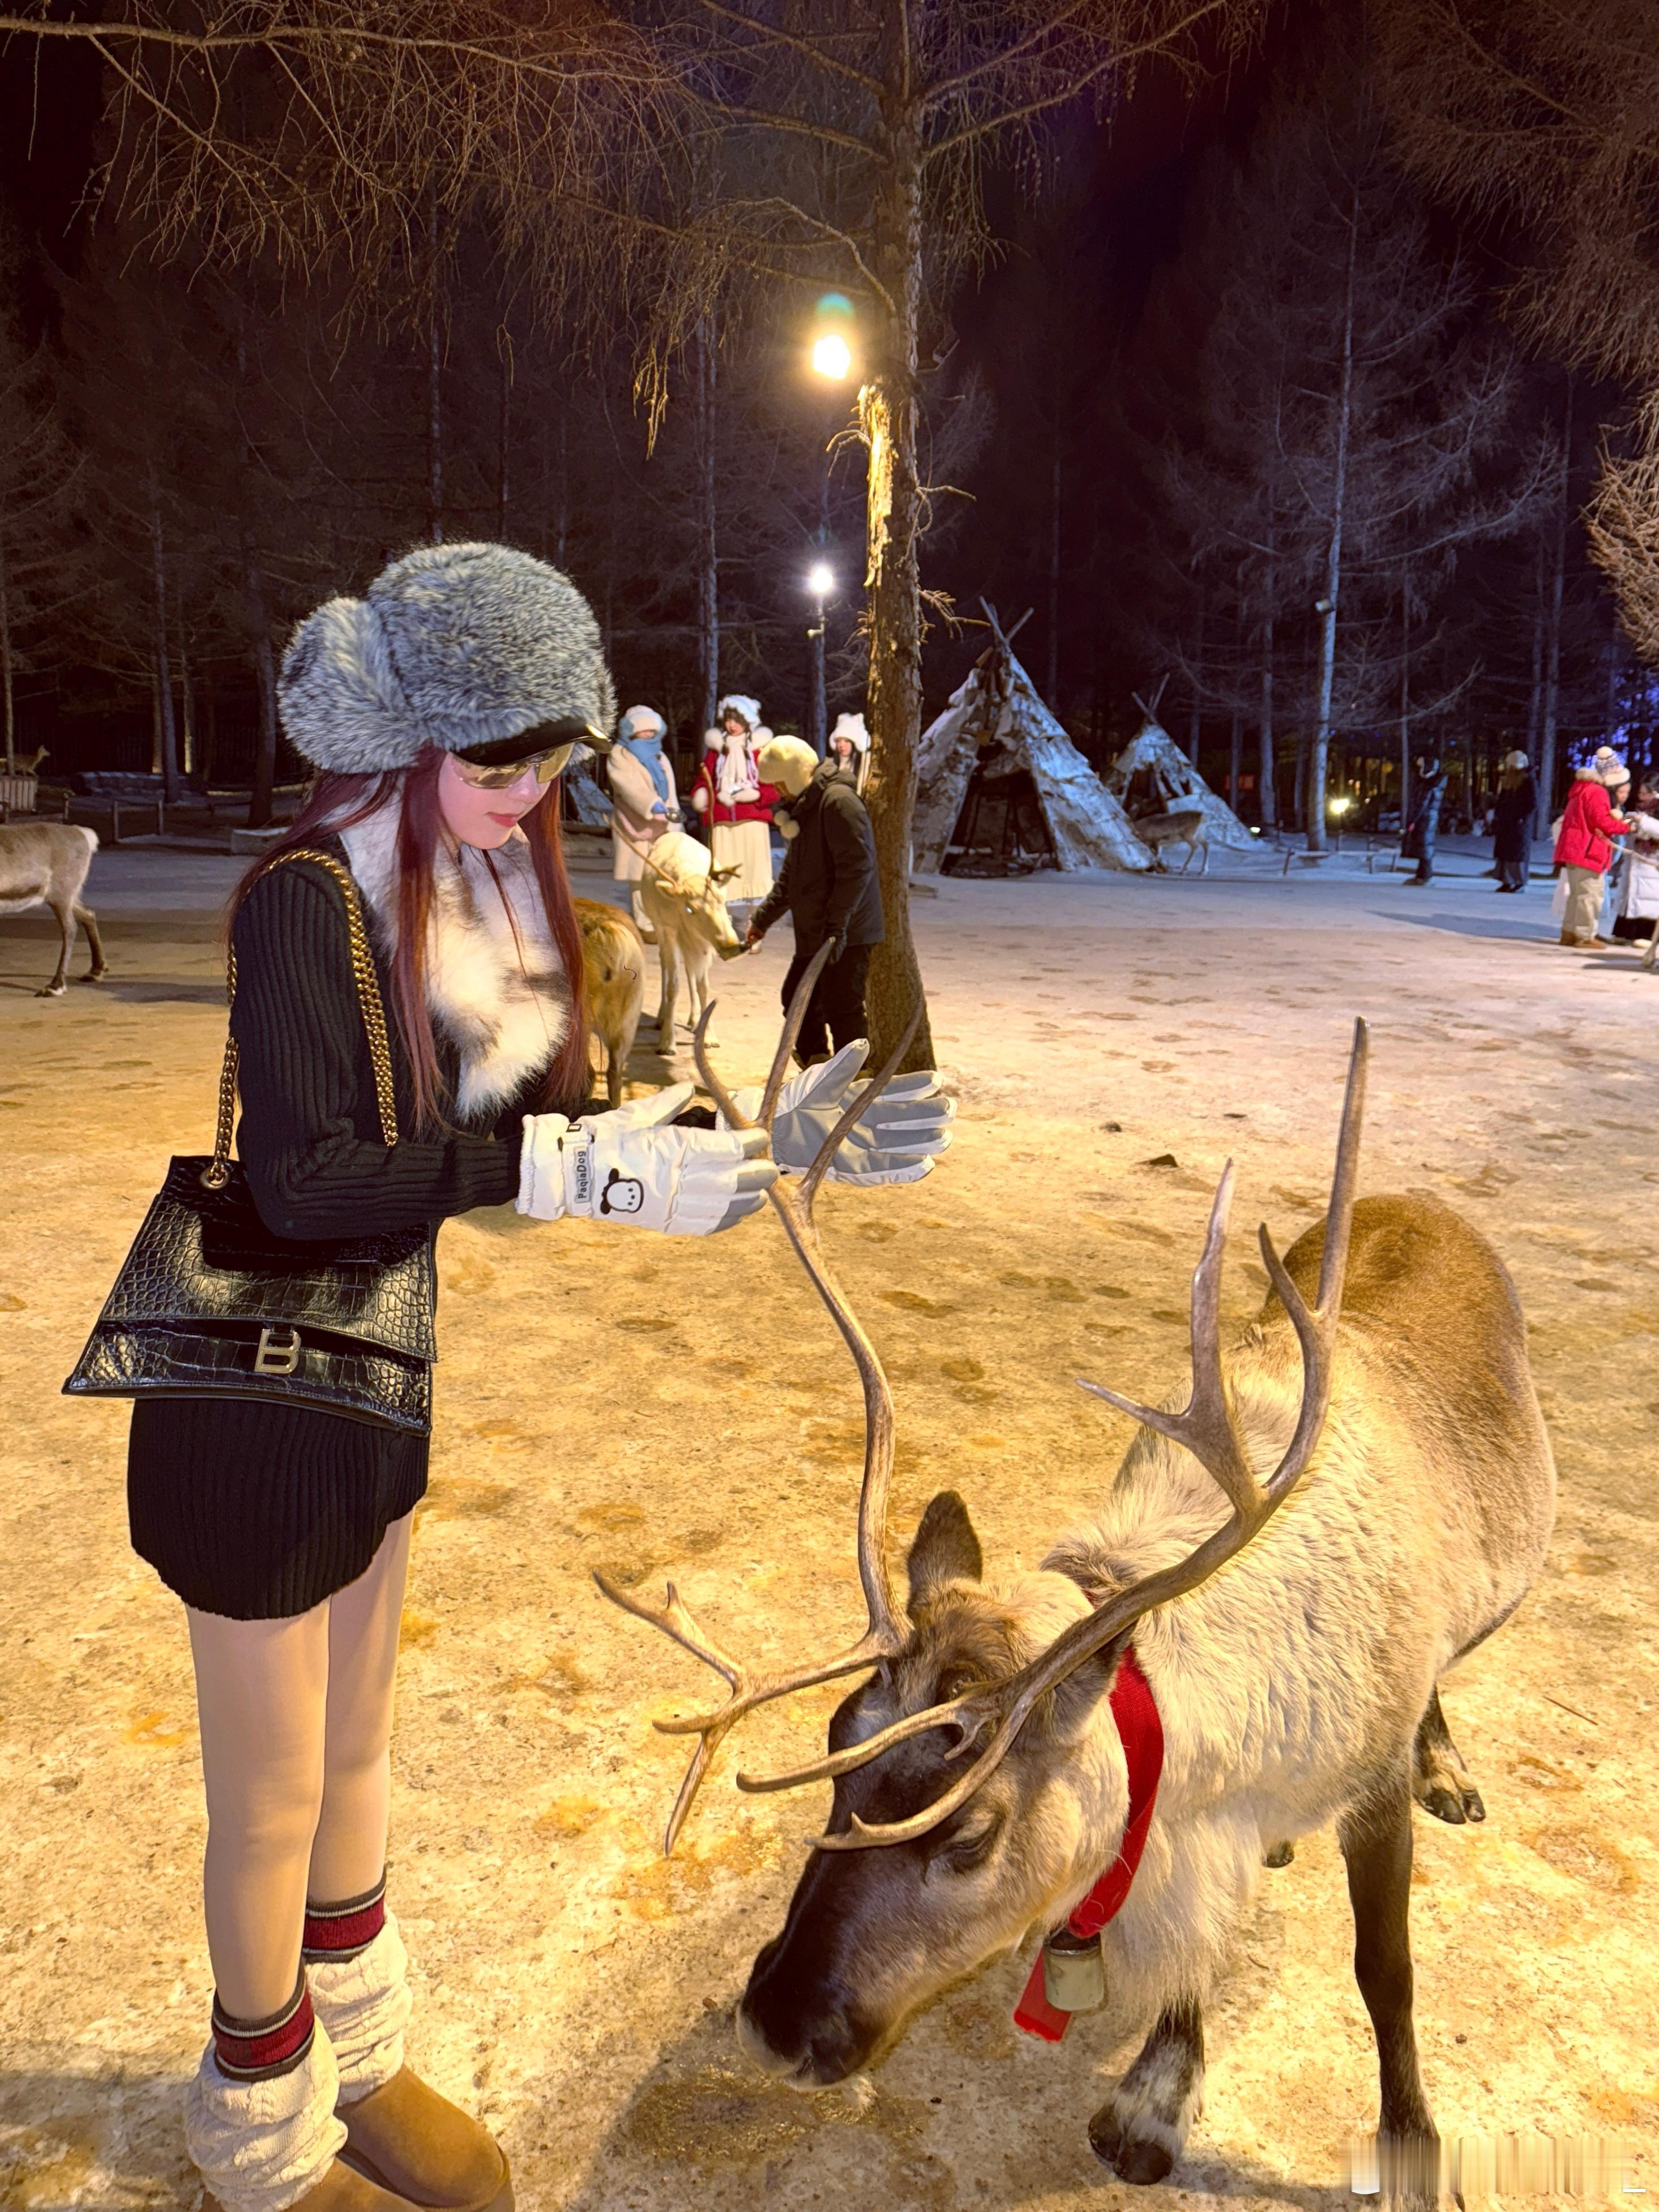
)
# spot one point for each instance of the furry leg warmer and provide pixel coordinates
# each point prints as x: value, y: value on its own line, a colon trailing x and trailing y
x: 359, y: 1974
x: 261, y: 2144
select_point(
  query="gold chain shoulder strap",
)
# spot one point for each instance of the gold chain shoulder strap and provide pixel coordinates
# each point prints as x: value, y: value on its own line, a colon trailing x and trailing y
x: 216, y: 1173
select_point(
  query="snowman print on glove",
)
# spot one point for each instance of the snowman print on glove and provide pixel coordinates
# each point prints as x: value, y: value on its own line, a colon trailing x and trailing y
x: 621, y: 1194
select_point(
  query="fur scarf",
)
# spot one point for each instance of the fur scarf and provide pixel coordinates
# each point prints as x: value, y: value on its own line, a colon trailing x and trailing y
x: 496, y: 986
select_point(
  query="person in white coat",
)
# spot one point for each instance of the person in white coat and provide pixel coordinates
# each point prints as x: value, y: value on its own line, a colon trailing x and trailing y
x: 1636, y: 896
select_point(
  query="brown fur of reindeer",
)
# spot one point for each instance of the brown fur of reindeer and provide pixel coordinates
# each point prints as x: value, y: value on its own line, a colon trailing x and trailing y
x: 613, y: 971
x: 1380, y: 1499
x: 45, y: 864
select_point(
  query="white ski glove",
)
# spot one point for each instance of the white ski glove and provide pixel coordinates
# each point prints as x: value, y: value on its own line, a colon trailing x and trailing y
x: 896, y: 1142
x: 630, y: 1166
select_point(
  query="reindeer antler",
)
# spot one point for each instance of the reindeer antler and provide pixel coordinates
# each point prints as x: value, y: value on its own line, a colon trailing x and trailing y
x: 884, y: 1636
x: 1207, y: 1428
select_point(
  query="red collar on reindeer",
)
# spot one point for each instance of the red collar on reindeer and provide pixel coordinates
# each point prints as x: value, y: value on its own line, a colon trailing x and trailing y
x: 1142, y: 1734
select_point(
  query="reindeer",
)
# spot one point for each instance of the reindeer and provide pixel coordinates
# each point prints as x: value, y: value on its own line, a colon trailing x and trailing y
x: 1182, y: 825
x: 1388, y: 1495
x: 45, y: 864
x: 685, y: 906
x: 613, y: 969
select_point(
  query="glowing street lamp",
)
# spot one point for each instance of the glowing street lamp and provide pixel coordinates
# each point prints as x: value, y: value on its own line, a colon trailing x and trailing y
x: 1339, y: 807
x: 830, y: 347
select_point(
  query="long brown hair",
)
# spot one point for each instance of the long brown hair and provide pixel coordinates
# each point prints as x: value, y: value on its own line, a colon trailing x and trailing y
x: 337, y: 802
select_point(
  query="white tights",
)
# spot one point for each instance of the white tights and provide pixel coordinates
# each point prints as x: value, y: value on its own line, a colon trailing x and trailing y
x: 296, y: 1730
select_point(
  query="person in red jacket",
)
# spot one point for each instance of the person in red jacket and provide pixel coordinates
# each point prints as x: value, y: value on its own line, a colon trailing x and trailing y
x: 1583, y: 849
x: 735, y: 806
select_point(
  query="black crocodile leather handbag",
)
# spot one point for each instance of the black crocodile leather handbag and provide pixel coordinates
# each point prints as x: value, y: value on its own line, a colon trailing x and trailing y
x: 210, y: 1304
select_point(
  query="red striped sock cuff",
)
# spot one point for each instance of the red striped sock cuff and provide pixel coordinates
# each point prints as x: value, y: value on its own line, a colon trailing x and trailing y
x: 255, y: 2050
x: 337, y: 1931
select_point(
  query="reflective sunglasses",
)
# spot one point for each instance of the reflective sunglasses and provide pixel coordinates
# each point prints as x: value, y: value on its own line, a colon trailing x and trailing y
x: 547, y: 765
x: 495, y: 766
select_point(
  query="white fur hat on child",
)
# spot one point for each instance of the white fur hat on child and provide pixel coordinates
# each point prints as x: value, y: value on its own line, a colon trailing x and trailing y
x: 850, y: 727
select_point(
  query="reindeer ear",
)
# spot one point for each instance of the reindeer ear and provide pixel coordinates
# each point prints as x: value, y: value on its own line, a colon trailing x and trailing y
x: 944, y: 1548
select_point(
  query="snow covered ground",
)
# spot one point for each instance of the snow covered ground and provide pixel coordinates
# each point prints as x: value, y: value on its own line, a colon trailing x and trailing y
x: 605, y: 1400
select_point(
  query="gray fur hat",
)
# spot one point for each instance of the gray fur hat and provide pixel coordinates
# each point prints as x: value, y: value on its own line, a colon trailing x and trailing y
x: 454, y: 646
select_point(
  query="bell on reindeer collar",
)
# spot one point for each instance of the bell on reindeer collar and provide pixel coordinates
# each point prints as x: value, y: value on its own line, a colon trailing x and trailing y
x: 1073, y: 1971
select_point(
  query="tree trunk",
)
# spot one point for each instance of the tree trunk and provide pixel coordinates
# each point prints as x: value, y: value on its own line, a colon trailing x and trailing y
x: 187, y: 702
x: 264, y: 670
x: 503, y: 426
x: 887, y: 415
x: 1052, y: 692
x: 7, y: 689
x: 1550, y: 705
x: 1319, y: 763
x: 1266, y: 795
x: 435, y: 391
x: 166, y: 730
x: 1405, y: 700
x: 708, y: 523
x: 1195, y: 709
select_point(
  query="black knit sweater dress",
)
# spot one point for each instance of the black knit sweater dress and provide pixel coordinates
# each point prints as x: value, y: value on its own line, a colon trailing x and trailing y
x: 260, y: 1511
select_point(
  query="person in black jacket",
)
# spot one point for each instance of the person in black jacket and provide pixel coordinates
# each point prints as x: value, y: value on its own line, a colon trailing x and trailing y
x: 828, y: 888
x: 1515, y: 822
x: 440, y: 710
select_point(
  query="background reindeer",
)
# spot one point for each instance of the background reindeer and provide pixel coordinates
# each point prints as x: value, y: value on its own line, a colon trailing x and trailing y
x: 45, y: 864
x: 1297, y: 1689
x: 1181, y: 826
x: 684, y: 900
x: 613, y: 967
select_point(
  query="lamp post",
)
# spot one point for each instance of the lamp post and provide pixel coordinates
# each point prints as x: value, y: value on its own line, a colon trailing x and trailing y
x: 820, y: 582
x: 829, y: 350
x: 1339, y: 807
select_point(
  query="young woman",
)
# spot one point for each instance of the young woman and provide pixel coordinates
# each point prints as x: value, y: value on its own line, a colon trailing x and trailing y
x: 1515, y: 820
x: 439, y: 711
x: 733, y: 802
x: 1637, y: 890
x: 640, y: 733
x: 848, y: 756
x: 1584, y: 843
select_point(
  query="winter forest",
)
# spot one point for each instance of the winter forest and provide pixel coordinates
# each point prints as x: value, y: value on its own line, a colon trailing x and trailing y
x: 1237, y: 397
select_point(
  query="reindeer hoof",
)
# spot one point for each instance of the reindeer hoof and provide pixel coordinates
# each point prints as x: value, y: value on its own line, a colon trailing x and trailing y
x: 1281, y: 1855
x: 50, y: 991
x: 1141, y: 2159
x: 93, y: 975
x: 1454, y: 1806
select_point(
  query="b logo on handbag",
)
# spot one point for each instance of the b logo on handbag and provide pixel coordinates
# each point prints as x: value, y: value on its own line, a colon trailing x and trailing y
x: 274, y: 1358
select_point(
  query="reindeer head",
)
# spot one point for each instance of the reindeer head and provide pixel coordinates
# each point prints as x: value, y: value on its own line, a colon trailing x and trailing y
x: 871, y: 1937
x: 975, y: 1794
x: 699, y: 898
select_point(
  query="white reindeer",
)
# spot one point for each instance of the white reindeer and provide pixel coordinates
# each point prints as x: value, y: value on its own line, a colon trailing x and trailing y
x: 45, y: 864
x: 980, y: 1778
x: 684, y: 902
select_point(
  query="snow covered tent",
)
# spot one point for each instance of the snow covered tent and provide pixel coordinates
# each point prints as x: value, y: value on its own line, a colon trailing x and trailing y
x: 1152, y: 776
x: 1002, y: 789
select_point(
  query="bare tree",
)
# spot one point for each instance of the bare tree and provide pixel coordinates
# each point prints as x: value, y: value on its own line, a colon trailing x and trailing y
x: 1551, y: 115
x: 1333, y: 453
x: 44, y: 564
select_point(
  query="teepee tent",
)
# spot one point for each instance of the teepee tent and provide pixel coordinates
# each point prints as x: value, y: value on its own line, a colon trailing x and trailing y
x: 1002, y: 789
x: 1152, y: 776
